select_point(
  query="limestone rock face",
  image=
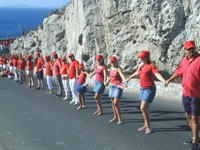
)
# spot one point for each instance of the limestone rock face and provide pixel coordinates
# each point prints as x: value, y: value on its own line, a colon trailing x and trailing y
x: 121, y: 28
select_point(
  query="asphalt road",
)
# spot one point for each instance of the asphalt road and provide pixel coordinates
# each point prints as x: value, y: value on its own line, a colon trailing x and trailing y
x: 32, y: 120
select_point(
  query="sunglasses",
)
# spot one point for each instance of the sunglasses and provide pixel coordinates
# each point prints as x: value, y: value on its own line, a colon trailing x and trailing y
x: 190, y: 49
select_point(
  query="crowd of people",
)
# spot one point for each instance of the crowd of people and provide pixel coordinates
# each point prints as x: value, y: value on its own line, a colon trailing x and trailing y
x: 72, y: 77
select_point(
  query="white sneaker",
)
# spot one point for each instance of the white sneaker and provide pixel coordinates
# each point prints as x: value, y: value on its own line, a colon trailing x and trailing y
x: 75, y: 103
x: 71, y: 102
x: 64, y: 99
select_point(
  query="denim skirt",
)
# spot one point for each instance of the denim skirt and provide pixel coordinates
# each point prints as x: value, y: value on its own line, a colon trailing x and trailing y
x: 147, y: 94
x: 115, y: 92
x: 99, y: 87
x: 80, y: 88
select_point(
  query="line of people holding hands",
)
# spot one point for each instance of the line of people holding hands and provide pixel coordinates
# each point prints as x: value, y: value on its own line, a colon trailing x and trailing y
x: 72, y: 77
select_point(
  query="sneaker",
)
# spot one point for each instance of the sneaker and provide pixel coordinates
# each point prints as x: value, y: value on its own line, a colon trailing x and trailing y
x: 71, y: 102
x: 37, y: 88
x: 64, y: 99
x: 189, y: 141
x: 42, y: 88
x: 194, y: 146
x: 51, y: 92
x: 76, y: 103
x: 20, y: 82
x: 59, y: 95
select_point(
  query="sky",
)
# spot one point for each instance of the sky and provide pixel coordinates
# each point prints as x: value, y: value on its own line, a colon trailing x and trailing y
x: 34, y: 3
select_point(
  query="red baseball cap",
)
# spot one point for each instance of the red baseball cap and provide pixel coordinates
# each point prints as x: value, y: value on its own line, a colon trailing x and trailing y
x: 63, y: 59
x: 54, y: 54
x: 99, y: 57
x: 46, y: 57
x: 112, y: 59
x: 29, y: 57
x: 37, y: 54
x: 70, y: 54
x: 81, y: 66
x: 20, y: 55
x: 189, y: 44
x: 144, y: 54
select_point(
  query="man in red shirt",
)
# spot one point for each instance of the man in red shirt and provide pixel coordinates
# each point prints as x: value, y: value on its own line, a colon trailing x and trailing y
x: 73, y: 78
x: 56, y: 71
x: 39, y: 71
x: 21, y: 66
x: 189, y: 70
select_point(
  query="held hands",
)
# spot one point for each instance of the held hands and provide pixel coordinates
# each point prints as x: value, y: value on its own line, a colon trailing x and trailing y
x: 167, y: 83
x: 106, y: 83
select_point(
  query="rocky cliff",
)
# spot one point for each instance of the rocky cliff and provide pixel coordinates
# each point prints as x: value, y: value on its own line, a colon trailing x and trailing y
x: 118, y: 27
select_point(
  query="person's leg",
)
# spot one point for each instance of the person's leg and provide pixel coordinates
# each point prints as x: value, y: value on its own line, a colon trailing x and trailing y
x: 41, y: 79
x: 74, y: 92
x: 24, y: 76
x: 114, y: 111
x: 64, y: 86
x: 50, y: 85
x: 32, y: 80
x: 29, y: 80
x: 117, y: 109
x: 143, y: 109
x: 100, y: 105
x: 60, y: 85
x: 83, y: 100
x: 56, y: 81
x: 67, y: 88
x: 195, y: 129
x: 96, y: 99
x: 80, y: 101
x: 42, y: 85
x: 38, y: 80
x: 148, y: 119
x: 71, y: 88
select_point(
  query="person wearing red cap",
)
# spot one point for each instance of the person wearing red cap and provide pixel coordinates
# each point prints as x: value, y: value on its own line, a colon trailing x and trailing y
x: 30, y: 68
x: 148, y: 87
x: 11, y: 63
x: 56, y: 71
x: 82, y: 86
x: 39, y: 71
x: 21, y: 66
x: 5, y: 63
x: 73, y: 80
x: 65, y: 79
x: 1, y: 65
x: 100, y: 81
x: 49, y: 74
x: 15, y: 59
x: 189, y: 70
x: 116, y: 77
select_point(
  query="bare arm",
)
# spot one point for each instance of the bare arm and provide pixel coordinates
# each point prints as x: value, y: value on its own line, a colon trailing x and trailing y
x: 159, y: 77
x: 135, y: 74
x: 174, y: 76
x: 122, y: 74
x: 107, y: 82
x: 77, y: 72
x: 105, y: 75
x: 93, y: 73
